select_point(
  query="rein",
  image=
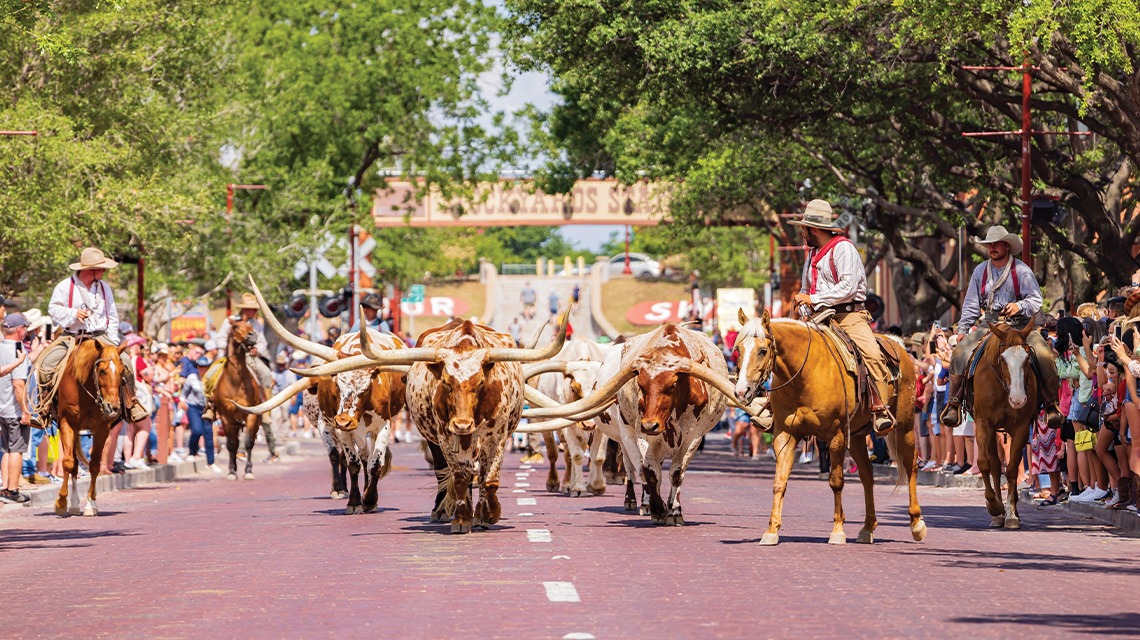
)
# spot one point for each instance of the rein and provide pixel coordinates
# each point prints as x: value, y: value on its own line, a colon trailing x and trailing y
x: 97, y: 396
x: 807, y: 355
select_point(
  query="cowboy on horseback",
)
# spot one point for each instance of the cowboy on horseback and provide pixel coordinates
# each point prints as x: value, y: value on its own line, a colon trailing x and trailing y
x: 834, y: 278
x: 83, y: 307
x: 258, y: 365
x: 1001, y: 286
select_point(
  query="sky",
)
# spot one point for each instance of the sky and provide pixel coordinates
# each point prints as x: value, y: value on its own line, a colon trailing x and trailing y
x: 534, y: 88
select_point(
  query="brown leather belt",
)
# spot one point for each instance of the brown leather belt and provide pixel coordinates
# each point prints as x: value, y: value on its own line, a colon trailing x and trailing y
x: 848, y: 307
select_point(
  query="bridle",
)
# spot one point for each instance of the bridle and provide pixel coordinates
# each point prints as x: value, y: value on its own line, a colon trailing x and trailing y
x: 97, y: 396
x: 1002, y: 347
x: 767, y: 365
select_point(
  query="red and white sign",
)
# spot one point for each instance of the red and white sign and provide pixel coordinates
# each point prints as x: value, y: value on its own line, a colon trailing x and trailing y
x: 440, y: 306
x: 655, y: 313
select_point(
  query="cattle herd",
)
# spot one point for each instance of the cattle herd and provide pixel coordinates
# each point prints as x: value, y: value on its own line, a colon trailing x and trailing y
x: 468, y: 387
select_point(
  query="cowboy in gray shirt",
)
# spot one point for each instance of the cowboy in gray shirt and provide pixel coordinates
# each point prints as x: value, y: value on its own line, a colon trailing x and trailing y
x: 1001, y: 286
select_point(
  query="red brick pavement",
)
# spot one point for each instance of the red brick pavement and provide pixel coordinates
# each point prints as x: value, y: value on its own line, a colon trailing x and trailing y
x: 275, y: 558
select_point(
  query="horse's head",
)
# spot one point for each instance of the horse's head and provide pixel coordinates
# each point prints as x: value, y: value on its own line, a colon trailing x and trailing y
x: 756, y: 355
x: 100, y: 374
x: 242, y: 334
x: 1013, y: 352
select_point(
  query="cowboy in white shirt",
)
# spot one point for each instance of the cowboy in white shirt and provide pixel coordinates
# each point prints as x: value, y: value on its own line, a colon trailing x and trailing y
x: 84, y: 306
x: 834, y: 278
x: 1001, y: 286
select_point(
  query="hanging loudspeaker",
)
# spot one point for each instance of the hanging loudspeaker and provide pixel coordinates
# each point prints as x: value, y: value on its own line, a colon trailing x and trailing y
x: 875, y: 306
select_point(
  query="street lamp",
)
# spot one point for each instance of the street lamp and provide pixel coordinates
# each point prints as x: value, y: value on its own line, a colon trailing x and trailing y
x: 230, y: 188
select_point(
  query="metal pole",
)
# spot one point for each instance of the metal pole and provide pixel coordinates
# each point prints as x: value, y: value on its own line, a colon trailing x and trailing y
x: 313, y: 326
x: 627, y: 271
x: 1026, y: 168
x: 352, y: 274
x: 229, y: 234
x: 140, y: 297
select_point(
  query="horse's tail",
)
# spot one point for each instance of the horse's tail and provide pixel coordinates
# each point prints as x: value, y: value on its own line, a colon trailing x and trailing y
x: 895, y: 444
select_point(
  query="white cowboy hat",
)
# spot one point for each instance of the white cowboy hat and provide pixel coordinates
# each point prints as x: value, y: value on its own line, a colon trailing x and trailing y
x: 36, y: 319
x: 248, y: 301
x: 818, y: 214
x: 998, y: 233
x: 93, y: 258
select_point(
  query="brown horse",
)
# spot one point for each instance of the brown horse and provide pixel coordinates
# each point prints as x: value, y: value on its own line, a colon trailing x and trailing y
x: 1005, y: 399
x: 813, y: 395
x: 87, y: 398
x: 236, y: 386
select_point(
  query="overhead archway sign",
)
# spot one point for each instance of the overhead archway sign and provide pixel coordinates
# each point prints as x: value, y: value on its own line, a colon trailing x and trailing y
x: 519, y: 203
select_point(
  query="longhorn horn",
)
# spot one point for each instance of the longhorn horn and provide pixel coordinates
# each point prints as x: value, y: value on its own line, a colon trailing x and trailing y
x: 556, y: 424
x: 506, y: 354
x: 550, y: 366
x: 580, y: 417
x: 599, y: 396
x: 718, y: 382
x: 327, y: 354
x: 281, y: 398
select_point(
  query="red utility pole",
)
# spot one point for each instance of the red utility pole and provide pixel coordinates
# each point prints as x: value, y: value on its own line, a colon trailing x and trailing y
x: 140, y: 295
x: 1026, y: 132
x: 19, y: 133
x: 352, y: 274
x: 627, y: 271
x: 230, y: 188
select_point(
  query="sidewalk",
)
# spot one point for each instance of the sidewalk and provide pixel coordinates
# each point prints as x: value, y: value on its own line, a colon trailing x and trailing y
x: 45, y: 495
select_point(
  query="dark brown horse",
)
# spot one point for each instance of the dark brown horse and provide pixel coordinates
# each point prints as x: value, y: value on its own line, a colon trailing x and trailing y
x: 1005, y: 399
x: 813, y: 395
x: 87, y: 398
x: 237, y: 386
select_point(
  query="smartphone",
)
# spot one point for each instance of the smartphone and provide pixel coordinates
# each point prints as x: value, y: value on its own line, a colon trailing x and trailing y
x: 936, y: 325
x: 19, y: 346
x: 1119, y: 331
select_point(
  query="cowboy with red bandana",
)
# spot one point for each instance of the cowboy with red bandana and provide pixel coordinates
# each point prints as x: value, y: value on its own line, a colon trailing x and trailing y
x: 834, y: 278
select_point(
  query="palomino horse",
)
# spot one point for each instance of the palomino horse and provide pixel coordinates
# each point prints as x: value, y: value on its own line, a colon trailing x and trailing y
x: 87, y: 398
x: 1005, y: 399
x: 814, y: 395
x: 237, y: 386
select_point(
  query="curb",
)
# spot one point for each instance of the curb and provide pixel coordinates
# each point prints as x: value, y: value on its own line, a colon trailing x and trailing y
x: 1124, y: 520
x: 45, y: 495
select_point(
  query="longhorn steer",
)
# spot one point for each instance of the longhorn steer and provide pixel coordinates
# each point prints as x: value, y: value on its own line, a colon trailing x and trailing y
x: 353, y: 408
x: 464, y: 392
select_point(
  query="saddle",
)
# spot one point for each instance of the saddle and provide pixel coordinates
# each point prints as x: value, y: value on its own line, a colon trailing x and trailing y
x: 213, y: 374
x: 855, y: 365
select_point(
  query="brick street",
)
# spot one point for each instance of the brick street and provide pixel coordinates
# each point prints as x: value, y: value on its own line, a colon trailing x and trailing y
x: 276, y: 558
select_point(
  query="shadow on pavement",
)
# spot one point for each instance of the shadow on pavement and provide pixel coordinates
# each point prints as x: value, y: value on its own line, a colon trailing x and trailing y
x: 22, y: 539
x: 339, y: 511
x: 1023, y: 561
x: 1117, y: 624
x: 783, y: 539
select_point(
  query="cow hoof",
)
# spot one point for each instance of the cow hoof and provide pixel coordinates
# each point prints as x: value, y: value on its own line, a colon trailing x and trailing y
x: 997, y: 522
x: 594, y: 491
x: 1013, y: 523
x: 352, y: 510
x: 643, y: 510
x: 918, y: 531
x: 675, y: 520
x: 232, y: 476
x: 659, y: 520
x: 865, y: 537
x: 631, y: 505
x: 577, y: 493
x: 552, y: 487
x: 91, y: 509
x: 438, y: 516
x: 837, y: 537
x: 249, y: 476
x: 461, y: 527
x: 368, y: 508
x: 769, y: 539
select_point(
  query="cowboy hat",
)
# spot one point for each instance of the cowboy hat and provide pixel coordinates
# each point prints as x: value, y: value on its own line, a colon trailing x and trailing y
x: 997, y: 233
x: 248, y: 301
x: 818, y: 214
x: 36, y: 319
x: 1131, y: 302
x: 93, y: 258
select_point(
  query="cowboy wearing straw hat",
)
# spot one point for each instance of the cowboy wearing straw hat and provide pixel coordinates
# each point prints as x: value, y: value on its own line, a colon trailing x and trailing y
x: 83, y: 305
x: 1001, y: 286
x: 834, y: 278
x: 247, y: 310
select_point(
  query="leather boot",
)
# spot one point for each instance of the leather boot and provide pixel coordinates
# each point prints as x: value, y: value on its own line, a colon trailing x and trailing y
x: 208, y: 413
x: 882, y: 418
x: 1125, y: 488
x: 951, y: 415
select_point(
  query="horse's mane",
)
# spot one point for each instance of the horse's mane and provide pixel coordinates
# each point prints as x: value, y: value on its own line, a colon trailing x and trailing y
x: 83, y: 360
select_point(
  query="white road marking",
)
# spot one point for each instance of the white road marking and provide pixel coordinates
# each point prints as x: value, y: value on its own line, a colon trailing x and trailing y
x: 519, y: 491
x: 538, y: 535
x: 560, y: 558
x: 561, y: 592
x: 526, y: 466
x: 525, y: 513
x: 522, y: 484
x: 578, y: 635
x: 527, y: 502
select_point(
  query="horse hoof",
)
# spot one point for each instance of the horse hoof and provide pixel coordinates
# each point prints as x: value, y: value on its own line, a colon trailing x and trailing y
x: 232, y: 476
x: 865, y: 537
x: 769, y: 539
x: 74, y: 511
x: 837, y: 537
x: 91, y: 509
x: 61, y: 511
x: 997, y: 521
x: 1013, y: 523
x: 461, y: 527
x: 631, y: 505
x: 918, y: 531
x: 248, y: 476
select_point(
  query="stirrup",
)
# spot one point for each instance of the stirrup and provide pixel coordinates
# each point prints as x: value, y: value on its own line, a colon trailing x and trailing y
x: 955, y: 405
x: 885, y: 417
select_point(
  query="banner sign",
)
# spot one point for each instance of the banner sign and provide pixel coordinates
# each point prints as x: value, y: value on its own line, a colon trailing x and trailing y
x: 517, y: 202
x: 439, y: 306
x: 728, y: 301
x: 191, y: 324
x: 654, y: 313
